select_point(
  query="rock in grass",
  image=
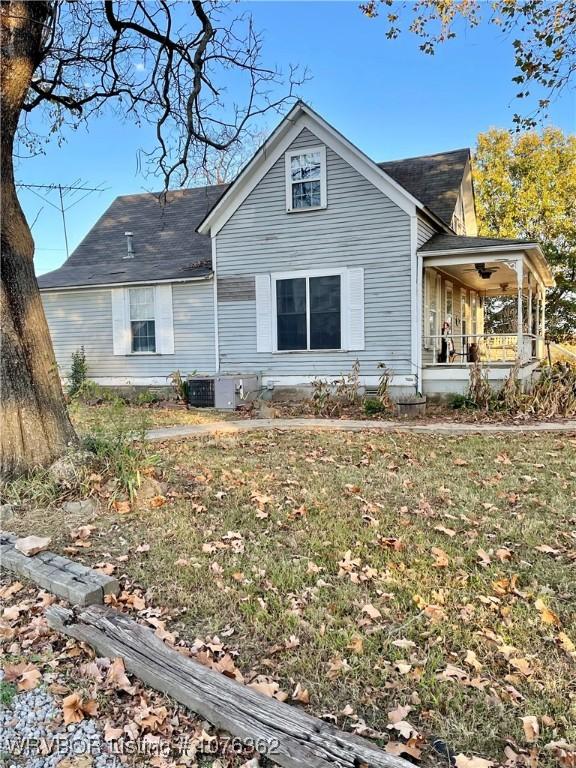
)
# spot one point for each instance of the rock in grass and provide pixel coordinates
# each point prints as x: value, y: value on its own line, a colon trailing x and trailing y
x: 31, y: 545
x: 83, y: 508
x: 71, y: 468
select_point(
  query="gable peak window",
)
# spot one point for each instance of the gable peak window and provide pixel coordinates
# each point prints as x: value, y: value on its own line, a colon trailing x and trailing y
x: 306, y: 179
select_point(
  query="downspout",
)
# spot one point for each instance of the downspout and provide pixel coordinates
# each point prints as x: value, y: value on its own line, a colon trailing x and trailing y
x: 416, y: 270
x: 216, y: 333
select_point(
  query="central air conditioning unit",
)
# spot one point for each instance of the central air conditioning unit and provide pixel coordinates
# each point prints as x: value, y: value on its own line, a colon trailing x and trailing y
x: 200, y: 392
x: 232, y: 391
x: 223, y: 392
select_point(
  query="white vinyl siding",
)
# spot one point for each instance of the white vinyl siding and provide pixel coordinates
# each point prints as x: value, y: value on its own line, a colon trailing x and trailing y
x: 361, y: 230
x: 84, y: 317
x: 425, y: 231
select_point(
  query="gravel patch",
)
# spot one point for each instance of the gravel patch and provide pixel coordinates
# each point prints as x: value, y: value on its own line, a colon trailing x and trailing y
x: 32, y: 721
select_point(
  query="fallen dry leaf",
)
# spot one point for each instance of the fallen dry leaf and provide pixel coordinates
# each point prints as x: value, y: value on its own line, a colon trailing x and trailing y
x: 531, y: 728
x: 117, y: 676
x: 300, y: 694
x: 75, y: 708
x: 398, y: 714
x: 371, y: 611
x: 522, y: 665
x: 462, y: 761
x: 547, y: 616
x: 26, y: 676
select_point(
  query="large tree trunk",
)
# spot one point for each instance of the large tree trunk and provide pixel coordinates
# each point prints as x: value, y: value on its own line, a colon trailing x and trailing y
x: 35, y: 427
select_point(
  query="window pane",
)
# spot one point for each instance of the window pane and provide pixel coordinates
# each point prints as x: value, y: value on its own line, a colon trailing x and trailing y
x: 291, y: 313
x: 325, y: 312
x: 306, y: 166
x: 143, y: 336
x: 141, y: 303
x: 306, y: 194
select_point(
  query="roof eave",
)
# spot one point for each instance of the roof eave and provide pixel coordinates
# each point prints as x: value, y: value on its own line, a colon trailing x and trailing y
x: 86, y: 286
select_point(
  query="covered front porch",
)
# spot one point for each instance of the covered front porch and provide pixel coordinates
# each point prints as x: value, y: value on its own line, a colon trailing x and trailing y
x: 483, y: 300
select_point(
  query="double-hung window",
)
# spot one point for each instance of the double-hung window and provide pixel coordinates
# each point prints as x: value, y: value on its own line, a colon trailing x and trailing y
x: 308, y: 312
x: 142, y: 319
x: 306, y: 179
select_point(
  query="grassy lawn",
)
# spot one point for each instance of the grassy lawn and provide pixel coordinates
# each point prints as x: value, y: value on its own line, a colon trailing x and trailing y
x: 86, y: 417
x: 375, y: 571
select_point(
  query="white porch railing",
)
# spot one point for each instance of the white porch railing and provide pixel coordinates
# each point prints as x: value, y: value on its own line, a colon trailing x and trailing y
x: 481, y: 347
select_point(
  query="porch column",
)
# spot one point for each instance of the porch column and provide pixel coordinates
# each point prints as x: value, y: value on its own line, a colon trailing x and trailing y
x: 530, y: 319
x: 519, y: 327
x: 537, y: 319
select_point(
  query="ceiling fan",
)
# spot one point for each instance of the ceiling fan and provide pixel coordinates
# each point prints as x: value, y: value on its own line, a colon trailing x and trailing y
x: 484, y: 271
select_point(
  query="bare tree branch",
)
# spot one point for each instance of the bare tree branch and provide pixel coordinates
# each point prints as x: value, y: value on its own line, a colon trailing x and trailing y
x: 162, y: 62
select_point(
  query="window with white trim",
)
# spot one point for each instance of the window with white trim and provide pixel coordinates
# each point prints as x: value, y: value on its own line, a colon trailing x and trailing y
x: 308, y: 312
x: 142, y: 319
x: 306, y: 179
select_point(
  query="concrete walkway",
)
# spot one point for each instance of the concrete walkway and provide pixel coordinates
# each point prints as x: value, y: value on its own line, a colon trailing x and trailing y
x: 351, y: 425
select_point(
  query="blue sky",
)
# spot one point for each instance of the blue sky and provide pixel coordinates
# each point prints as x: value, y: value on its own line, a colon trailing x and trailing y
x: 386, y: 96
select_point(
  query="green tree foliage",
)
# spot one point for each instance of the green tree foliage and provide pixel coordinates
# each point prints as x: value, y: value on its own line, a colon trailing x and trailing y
x: 542, y: 34
x: 525, y: 187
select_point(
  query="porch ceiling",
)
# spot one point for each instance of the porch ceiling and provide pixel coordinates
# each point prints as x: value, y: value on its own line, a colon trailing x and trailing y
x: 458, y: 252
x: 502, y: 281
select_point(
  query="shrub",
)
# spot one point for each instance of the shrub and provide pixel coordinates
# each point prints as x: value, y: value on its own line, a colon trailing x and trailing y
x: 480, y: 392
x: 347, y: 387
x: 323, y: 400
x: 78, y: 372
x: 179, y: 384
x: 120, y: 452
x: 460, y: 402
x: 329, y: 397
x: 553, y: 395
x: 373, y: 406
x: 146, y: 397
x: 383, y: 391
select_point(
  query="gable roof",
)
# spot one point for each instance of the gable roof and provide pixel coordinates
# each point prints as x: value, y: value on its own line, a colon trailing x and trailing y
x: 433, y: 179
x: 166, y: 244
x: 302, y: 116
x: 171, y: 240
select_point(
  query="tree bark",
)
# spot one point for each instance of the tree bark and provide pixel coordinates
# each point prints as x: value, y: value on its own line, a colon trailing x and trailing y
x: 35, y: 427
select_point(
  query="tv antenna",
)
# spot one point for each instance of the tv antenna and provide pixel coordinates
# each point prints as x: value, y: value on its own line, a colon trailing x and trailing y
x: 67, y: 196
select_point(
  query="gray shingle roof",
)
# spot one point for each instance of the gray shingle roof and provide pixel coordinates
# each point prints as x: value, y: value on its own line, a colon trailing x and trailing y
x: 456, y: 242
x: 166, y: 244
x: 434, y: 180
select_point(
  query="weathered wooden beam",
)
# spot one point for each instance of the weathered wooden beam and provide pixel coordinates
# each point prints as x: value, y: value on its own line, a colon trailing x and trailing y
x: 298, y: 738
